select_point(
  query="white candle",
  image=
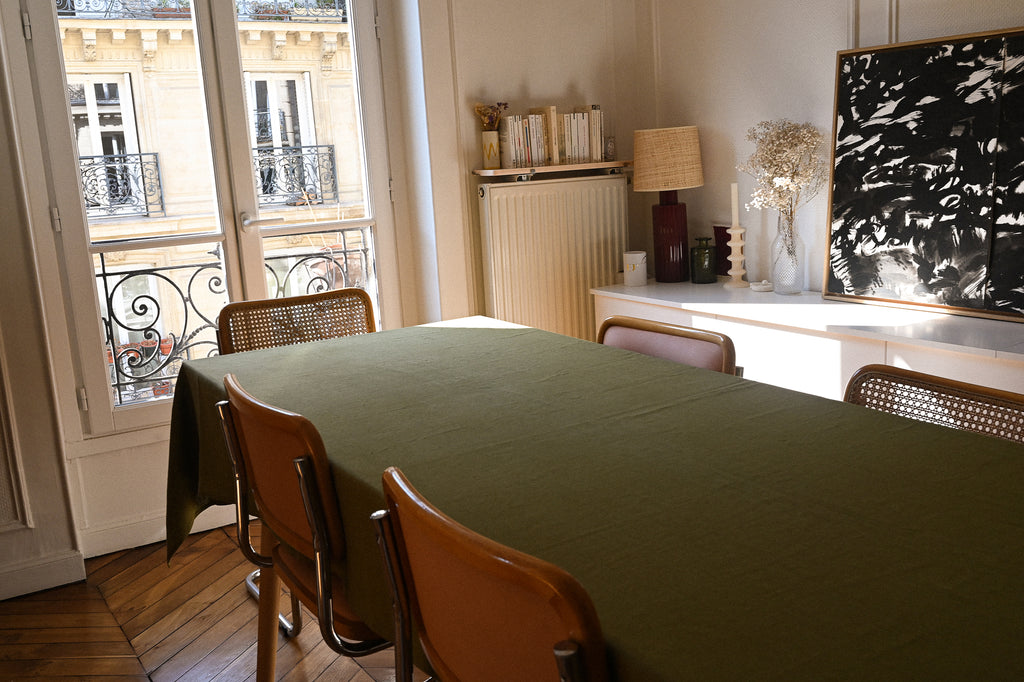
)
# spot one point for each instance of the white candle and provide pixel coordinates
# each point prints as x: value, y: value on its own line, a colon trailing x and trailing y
x: 735, y: 205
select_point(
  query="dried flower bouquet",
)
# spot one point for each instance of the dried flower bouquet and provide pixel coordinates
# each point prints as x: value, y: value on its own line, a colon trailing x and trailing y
x: 490, y: 114
x: 787, y: 165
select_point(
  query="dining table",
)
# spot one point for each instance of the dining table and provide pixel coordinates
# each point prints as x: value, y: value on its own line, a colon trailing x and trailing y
x: 724, y: 528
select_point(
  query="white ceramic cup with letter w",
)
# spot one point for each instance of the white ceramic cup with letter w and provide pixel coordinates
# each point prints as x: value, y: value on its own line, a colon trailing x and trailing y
x: 634, y: 268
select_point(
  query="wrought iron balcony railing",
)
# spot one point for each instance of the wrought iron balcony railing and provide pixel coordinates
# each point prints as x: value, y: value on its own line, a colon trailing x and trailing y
x: 295, y: 176
x: 302, y: 270
x: 121, y: 185
x: 158, y: 317
x: 248, y: 10
x: 155, y: 320
x: 264, y: 121
x: 292, y: 10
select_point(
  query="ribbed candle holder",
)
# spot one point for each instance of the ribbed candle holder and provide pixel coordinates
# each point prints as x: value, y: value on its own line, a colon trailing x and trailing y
x: 736, y: 271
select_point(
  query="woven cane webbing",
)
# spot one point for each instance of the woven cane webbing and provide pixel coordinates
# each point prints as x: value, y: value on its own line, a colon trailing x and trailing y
x: 937, y: 400
x: 251, y: 325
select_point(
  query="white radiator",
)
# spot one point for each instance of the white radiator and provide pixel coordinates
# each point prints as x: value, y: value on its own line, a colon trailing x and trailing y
x: 546, y: 243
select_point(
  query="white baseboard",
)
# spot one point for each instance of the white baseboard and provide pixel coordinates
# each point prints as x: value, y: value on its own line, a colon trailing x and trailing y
x: 147, y: 531
x: 41, y: 574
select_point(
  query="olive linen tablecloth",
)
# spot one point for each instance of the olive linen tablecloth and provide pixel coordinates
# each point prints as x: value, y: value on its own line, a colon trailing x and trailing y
x: 725, y: 529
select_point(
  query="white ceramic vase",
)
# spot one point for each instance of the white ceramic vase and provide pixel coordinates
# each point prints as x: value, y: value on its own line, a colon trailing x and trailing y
x: 492, y: 156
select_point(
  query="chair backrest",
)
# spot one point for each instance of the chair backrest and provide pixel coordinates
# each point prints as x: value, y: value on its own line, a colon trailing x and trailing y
x: 483, y: 610
x: 251, y: 325
x: 938, y: 400
x: 686, y: 345
x: 265, y: 440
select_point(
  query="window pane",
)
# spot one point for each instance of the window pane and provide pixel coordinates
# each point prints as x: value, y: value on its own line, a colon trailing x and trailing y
x: 303, y: 109
x: 136, y: 103
x: 159, y: 308
x: 320, y: 261
x: 137, y: 107
x: 135, y: 90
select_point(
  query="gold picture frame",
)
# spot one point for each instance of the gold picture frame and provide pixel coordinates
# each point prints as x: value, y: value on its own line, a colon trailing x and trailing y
x: 927, y: 190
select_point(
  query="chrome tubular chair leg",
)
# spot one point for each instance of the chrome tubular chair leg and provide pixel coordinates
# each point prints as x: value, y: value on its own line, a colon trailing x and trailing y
x: 570, y: 664
x: 322, y: 553
x: 289, y: 628
x: 399, y: 598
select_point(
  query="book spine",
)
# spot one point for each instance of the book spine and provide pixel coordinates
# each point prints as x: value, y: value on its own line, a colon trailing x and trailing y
x: 542, y: 145
x: 566, y: 130
x: 573, y: 139
x: 583, y: 131
x: 596, y: 138
x: 524, y: 142
x: 524, y: 145
x: 512, y: 141
x: 553, y: 142
x: 517, y: 141
x: 538, y: 153
x: 527, y: 144
x: 505, y: 143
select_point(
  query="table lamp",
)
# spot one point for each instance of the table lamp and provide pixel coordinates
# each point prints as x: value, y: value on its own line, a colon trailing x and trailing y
x: 666, y: 160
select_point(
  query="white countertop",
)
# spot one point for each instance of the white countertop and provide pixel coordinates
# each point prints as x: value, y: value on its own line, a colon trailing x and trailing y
x: 810, y: 312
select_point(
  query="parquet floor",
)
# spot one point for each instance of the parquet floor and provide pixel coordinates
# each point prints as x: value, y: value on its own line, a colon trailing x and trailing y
x: 137, y: 618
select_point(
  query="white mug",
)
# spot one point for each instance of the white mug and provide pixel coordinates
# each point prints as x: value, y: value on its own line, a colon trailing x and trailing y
x: 634, y: 267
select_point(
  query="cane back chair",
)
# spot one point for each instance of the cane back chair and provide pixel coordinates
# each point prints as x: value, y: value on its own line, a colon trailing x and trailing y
x: 928, y: 398
x: 264, y: 443
x: 482, y: 611
x: 267, y: 323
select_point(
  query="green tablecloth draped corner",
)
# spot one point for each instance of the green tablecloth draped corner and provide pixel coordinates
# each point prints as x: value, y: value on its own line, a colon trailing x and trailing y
x: 725, y: 529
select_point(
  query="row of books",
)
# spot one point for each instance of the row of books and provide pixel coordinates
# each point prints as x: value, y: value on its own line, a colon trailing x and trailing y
x: 545, y: 137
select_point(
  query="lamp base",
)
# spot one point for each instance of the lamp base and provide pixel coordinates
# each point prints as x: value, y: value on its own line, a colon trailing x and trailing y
x: 670, y: 240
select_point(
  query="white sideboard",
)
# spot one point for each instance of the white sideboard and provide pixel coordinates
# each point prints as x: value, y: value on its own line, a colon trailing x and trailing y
x: 810, y: 344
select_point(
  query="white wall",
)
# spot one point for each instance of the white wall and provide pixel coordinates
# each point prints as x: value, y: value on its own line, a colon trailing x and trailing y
x: 724, y: 66
x: 535, y: 53
x: 926, y: 19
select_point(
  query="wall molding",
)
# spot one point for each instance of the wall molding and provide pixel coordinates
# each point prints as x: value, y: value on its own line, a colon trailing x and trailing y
x: 853, y: 25
x: 863, y: 21
x: 894, y: 21
x: 13, y: 496
x: 114, y: 537
x: 42, y: 573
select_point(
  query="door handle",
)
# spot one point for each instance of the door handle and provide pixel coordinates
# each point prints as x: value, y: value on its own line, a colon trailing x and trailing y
x: 249, y: 223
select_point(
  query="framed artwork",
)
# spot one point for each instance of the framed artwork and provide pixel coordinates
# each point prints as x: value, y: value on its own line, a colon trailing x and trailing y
x: 927, y: 192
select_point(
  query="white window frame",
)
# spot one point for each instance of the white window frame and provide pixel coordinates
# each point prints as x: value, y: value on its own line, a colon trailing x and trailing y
x: 304, y: 104
x: 126, y: 105
x: 93, y: 413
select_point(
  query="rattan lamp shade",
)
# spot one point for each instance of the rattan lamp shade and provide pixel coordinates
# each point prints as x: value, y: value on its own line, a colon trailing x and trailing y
x: 666, y: 159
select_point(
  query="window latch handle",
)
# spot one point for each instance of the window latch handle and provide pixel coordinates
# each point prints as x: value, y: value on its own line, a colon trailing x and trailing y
x: 249, y: 223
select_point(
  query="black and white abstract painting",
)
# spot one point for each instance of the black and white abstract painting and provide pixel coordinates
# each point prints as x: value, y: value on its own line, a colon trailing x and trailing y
x: 928, y: 175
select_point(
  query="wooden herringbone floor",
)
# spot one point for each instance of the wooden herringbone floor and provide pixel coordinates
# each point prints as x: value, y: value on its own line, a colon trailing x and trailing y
x: 138, y: 618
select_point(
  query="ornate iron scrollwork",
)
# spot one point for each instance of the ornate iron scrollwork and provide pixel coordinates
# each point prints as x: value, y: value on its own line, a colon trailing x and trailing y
x: 156, y: 318
x: 295, y: 176
x: 121, y: 185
